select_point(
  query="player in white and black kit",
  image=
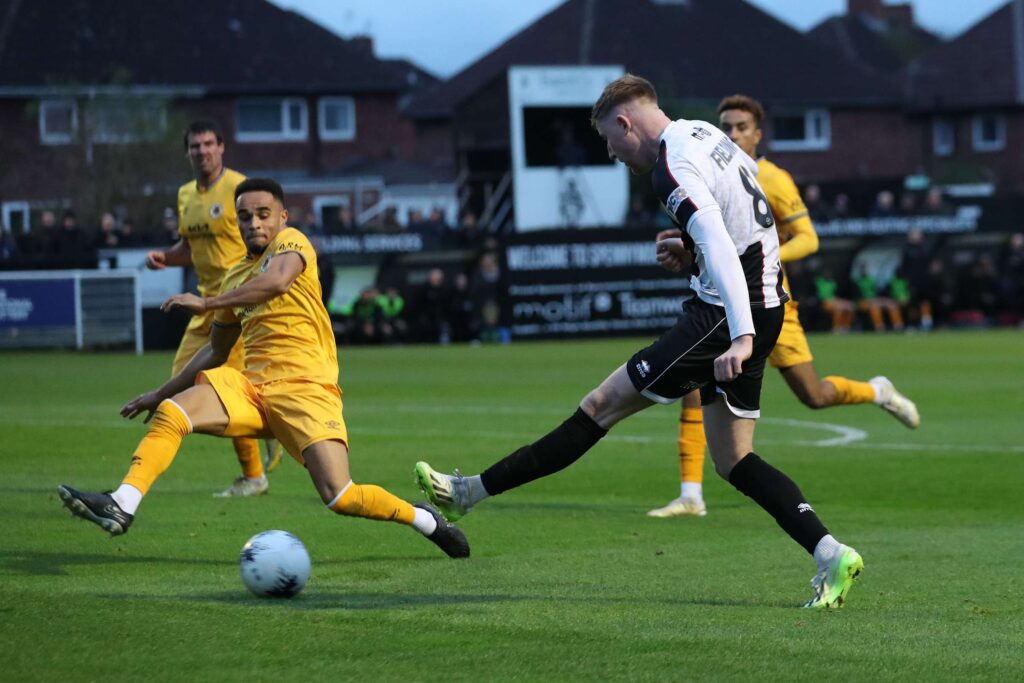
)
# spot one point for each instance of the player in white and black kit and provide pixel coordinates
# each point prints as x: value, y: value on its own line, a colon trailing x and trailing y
x: 720, y: 344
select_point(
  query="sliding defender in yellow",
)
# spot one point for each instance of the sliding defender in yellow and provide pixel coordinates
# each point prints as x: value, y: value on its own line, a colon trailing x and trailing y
x: 287, y: 390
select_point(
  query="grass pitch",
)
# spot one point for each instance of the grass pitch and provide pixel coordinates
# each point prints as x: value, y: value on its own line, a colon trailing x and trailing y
x: 568, y: 580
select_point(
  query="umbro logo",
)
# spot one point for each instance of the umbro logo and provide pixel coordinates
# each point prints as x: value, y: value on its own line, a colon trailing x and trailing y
x: 804, y: 507
x: 333, y: 424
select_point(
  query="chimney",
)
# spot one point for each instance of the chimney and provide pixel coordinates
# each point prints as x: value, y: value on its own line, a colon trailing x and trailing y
x: 362, y: 43
x: 869, y: 8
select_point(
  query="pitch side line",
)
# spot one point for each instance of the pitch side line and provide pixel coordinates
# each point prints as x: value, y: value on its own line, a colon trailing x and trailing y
x: 842, y: 436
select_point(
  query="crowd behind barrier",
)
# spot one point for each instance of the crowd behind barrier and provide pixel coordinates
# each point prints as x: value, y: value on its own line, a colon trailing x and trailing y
x: 911, y: 280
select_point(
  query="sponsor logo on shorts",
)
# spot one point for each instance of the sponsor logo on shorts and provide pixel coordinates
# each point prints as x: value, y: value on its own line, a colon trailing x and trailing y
x: 643, y: 367
x: 804, y: 507
x: 333, y: 424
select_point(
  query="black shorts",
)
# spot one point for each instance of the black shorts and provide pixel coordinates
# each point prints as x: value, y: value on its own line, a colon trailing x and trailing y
x: 683, y: 358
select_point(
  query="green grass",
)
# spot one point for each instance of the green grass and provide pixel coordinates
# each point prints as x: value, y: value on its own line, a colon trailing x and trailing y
x: 568, y: 580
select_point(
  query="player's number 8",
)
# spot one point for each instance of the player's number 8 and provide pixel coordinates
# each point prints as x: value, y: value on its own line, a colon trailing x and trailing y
x: 762, y: 214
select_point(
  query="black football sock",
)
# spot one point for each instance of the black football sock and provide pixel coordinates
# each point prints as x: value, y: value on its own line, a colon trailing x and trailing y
x: 555, y: 451
x: 780, y: 497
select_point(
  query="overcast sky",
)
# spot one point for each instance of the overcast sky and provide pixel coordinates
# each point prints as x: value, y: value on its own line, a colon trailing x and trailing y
x: 444, y: 36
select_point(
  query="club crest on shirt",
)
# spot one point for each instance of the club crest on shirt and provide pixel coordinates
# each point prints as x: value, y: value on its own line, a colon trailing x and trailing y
x: 677, y: 197
x: 217, y: 210
x: 265, y: 266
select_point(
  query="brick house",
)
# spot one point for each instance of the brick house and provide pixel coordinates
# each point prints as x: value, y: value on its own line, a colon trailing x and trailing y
x: 864, y: 99
x: 968, y: 96
x: 829, y: 118
x: 89, y: 99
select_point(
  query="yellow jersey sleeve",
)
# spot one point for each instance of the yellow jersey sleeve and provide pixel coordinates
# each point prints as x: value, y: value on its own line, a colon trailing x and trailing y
x: 797, y: 238
x: 207, y: 219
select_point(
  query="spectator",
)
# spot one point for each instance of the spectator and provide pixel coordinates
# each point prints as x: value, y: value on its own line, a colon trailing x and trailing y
x: 389, y: 223
x: 42, y: 243
x: 1011, y: 273
x: 393, y: 327
x: 883, y: 207
x: 169, y: 233
x: 875, y: 305
x: 487, y: 300
x: 310, y: 225
x: 914, y: 271
x: 935, y: 205
x: 107, y: 237
x: 979, y: 293
x: 817, y: 208
x: 840, y: 310
x: 415, y: 222
x: 347, y: 220
x: 128, y: 236
x: 365, y: 318
x: 71, y: 248
x: 841, y: 208
x: 9, y: 252
x: 936, y: 293
x: 469, y: 234
x: 908, y: 204
x: 460, y: 309
x: 432, y: 309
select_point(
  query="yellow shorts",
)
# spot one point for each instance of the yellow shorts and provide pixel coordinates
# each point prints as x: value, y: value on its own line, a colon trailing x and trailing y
x: 792, y: 347
x: 298, y: 413
x: 197, y: 335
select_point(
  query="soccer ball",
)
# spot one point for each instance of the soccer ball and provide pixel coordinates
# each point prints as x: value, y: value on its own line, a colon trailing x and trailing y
x: 274, y: 564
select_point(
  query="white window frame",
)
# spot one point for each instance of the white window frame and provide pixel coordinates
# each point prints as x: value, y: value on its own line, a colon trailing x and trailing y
x: 336, y: 135
x: 808, y: 144
x: 943, y: 137
x: 284, y: 135
x: 981, y: 145
x: 9, y: 208
x: 52, y: 138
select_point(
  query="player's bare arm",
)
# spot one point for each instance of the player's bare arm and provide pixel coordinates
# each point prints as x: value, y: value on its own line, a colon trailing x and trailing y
x: 283, y: 271
x: 214, y: 354
x: 178, y: 255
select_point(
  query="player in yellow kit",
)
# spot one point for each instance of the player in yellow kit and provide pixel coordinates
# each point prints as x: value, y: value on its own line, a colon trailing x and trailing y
x: 287, y: 389
x: 211, y: 243
x: 740, y: 118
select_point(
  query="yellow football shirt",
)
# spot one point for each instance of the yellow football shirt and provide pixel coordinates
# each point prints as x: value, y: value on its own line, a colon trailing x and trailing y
x: 207, y: 219
x: 290, y: 336
x: 797, y: 238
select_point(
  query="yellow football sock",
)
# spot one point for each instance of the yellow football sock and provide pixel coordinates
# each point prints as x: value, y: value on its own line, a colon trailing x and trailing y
x: 851, y: 391
x: 692, y: 443
x: 248, y: 452
x: 372, y: 502
x: 157, y: 449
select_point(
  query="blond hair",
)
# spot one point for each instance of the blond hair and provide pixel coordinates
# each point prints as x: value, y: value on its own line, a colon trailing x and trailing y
x: 620, y: 91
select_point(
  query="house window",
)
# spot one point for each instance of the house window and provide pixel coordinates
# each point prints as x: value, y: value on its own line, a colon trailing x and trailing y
x: 988, y: 133
x: 58, y: 121
x: 271, y: 120
x: 15, y: 217
x: 943, y: 137
x: 127, y: 120
x: 795, y: 131
x: 336, y: 117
